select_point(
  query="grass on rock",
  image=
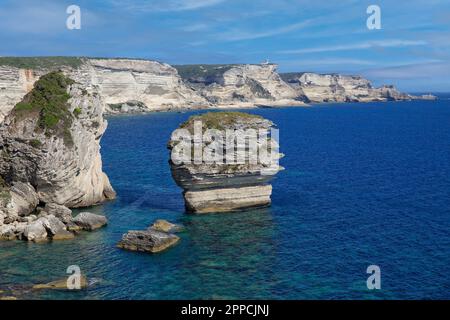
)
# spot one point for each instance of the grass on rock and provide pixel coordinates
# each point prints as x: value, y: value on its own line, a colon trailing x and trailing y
x: 218, y: 120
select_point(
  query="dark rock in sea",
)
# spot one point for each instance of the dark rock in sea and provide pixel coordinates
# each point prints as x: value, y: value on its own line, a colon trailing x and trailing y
x: 147, y: 241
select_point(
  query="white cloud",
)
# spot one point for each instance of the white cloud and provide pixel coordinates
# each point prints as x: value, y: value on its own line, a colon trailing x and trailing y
x: 165, y: 5
x: 328, y: 62
x: 195, y: 27
x: 246, y: 35
x: 408, y: 71
x: 358, y: 46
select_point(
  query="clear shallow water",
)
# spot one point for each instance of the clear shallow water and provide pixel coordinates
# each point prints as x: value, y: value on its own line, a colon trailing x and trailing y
x: 364, y: 184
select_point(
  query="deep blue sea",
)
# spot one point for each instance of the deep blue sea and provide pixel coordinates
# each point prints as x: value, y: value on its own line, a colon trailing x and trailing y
x: 364, y: 184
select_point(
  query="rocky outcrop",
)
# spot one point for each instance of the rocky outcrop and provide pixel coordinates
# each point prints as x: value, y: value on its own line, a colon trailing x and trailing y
x: 56, y: 149
x: 239, y: 175
x: 341, y: 88
x: 147, y: 241
x: 50, y: 160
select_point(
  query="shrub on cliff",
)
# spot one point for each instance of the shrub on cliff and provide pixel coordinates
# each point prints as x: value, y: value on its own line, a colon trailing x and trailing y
x: 48, y: 101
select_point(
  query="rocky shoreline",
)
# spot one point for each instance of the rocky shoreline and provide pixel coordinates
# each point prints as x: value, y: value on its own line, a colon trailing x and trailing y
x: 50, y: 161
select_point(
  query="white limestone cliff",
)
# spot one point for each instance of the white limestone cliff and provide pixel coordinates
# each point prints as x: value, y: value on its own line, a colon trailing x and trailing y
x: 154, y: 85
x: 341, y: 88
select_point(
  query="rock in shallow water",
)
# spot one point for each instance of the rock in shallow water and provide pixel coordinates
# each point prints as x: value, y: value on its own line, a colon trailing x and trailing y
x: 166, y: 226
x: 36, y: 231
x: 147, y: 241
x: 89, y: 221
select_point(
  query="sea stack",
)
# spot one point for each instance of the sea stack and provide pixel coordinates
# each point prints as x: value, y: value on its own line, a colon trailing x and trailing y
x: 224, y: 161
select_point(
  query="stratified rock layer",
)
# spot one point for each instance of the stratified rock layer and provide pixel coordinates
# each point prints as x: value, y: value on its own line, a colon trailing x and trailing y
x: 247, y: 85
x: 227, y: 185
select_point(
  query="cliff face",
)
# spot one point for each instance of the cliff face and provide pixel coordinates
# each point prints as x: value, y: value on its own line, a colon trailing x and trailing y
x: 124, y: 85
x: 341, y: 88
x: 243, y: 85
x: 156, y: 86
x: 51, y: 143
x: 131, y: 86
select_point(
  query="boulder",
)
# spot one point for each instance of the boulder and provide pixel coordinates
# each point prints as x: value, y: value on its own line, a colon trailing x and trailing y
x: 7, y: 232
x: 61, y: 212
x: 36, y: 231
x: 89, y: 221
x: 166, y: 226
x: 56, y: 229
x: 147, y: 241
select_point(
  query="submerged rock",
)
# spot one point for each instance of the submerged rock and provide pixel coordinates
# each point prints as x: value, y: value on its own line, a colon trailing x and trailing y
x: 166, y: 226
x: 147, y: 241
x: 61, y: 284
x: 231, y: 176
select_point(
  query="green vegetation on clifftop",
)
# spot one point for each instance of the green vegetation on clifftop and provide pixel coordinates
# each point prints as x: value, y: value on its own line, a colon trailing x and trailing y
x: 191, y: 71
x: 218, y: 120
x: 41, y: 62
x: 49, y: 102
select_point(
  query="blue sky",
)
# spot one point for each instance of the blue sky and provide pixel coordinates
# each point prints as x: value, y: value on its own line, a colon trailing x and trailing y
x: 412, y: 50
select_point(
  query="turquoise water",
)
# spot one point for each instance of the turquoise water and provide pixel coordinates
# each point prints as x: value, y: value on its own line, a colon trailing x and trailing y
x: 364, y: 184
